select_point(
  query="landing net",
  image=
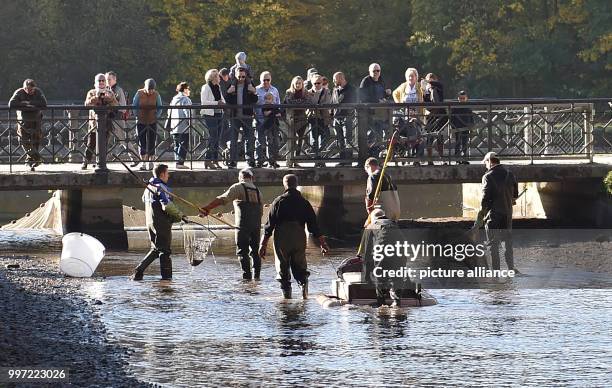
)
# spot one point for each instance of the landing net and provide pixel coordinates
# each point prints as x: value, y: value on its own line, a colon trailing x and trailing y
x: 197, y: 243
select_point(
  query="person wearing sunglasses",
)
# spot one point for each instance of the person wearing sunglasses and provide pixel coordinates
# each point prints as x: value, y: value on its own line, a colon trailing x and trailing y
x: 242, y: 92
x: 265, y: 141
x: 319, y: 119
x: 29, y: 102
x: 373, y: 90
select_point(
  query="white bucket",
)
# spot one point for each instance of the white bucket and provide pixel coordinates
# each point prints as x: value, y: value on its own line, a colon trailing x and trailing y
x: 81, y: 255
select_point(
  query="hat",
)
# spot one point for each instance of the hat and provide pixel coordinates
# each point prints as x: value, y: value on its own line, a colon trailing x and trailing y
x: 489, y: 155
x: 462, y: 93
x: 149, y: 84
x: 377, y: 213
x: 311, y: 71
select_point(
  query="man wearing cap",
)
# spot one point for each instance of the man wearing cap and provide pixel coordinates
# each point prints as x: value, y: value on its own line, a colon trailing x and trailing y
x: 29, y: 102
x: 499, y: 193
x: 248, y: 210
x: 462, y: 119
x: 289, y: 212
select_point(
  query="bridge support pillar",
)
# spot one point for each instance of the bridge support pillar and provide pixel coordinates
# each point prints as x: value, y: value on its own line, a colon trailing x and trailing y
x: 339, y: 209
x: 97, y: 212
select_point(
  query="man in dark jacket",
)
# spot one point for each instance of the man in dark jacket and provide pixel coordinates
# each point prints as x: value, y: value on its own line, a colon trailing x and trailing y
x: 242, y: 92
x: 344, y: 119
x: 288, y: 214
x: 462, y: 120
x: 373, y: 90
x: 499, y: 193
x: 29, y: 101
x: 160, y: 213
x: 438, y: 117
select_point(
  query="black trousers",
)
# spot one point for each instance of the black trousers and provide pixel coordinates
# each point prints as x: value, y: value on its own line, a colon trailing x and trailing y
x: 161, y: 237
x: 499, y: 229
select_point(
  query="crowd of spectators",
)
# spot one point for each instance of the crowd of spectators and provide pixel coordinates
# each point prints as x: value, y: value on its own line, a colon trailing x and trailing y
x: 237, y: 128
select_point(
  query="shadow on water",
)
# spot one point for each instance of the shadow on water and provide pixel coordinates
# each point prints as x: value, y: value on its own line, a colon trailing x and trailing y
x: 209, y: 328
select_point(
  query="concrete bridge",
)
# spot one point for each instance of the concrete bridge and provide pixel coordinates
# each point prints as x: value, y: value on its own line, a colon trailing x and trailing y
x: 70, y: 177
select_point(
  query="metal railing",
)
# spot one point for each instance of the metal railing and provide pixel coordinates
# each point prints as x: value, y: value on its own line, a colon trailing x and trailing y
x: 447, y: 132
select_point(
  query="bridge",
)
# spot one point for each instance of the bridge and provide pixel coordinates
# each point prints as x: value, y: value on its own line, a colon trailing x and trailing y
x: 564, y: 141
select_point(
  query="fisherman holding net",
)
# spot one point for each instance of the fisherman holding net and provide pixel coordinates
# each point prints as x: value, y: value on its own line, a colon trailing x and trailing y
x: 248, y: 209
x: 160, y: 213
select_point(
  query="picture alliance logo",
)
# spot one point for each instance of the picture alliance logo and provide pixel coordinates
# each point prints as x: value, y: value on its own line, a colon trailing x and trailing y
x: 412, y: 252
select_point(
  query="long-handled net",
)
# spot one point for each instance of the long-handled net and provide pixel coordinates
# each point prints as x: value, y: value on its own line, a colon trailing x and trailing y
x: 197, y: 242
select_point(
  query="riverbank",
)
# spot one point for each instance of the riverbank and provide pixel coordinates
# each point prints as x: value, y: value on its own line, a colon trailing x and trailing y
x: 47, y: 321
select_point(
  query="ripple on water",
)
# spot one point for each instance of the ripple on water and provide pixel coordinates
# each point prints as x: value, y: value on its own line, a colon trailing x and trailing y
x: 208, y: 327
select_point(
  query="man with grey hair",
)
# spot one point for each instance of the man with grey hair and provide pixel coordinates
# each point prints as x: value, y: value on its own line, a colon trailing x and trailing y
x: 101, y: 97
x: 29, y: 102
x: 499, y: 194
x: 265, y: 141
x: 373, y: 90
x: 248, y: 209
x: 289, y: 213
x: 344, y: 119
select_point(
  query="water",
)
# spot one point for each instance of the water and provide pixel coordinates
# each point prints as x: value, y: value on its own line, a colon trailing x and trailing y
x: 207, y: 328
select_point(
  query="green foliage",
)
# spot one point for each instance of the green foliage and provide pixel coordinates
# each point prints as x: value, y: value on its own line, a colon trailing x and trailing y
x: 608, y: 183
x: 494, y: 48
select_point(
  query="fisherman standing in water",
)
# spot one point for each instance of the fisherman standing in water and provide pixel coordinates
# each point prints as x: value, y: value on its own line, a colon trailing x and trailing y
x: 160, y: 213
x: 288, y: 214
x: 248, y: 210
x: 499, y: 194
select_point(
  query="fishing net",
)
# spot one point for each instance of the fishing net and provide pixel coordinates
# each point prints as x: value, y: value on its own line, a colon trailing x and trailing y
x: 197, y: 241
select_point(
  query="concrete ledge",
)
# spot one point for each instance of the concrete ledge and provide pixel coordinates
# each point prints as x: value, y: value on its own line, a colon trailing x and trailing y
x: 117, y: 177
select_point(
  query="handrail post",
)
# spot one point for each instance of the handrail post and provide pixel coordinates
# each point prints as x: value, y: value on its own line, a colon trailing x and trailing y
x: 73, y: 127
x: 10, y: 129
x: 362, y: 134
x: 489, y: 128
x: 101, y: 146
x: 589, y: 118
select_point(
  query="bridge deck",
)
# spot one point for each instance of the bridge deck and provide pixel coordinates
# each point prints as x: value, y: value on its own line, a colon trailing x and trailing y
x: 69, y: 176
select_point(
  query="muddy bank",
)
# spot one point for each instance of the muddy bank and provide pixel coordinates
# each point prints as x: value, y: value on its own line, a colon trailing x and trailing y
x: 47, y: 321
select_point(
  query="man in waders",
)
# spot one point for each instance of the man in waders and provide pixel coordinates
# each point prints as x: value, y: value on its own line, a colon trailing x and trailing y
x: 383, y: 231
x: 388, y: 197
x: 499, y: 194
x: 288, y: 214
x: 160, y: 213
x: 248, y: 209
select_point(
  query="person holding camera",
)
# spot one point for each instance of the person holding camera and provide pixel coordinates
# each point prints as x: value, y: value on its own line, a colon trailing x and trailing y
x: 101, y: 98
x: 241, y: 92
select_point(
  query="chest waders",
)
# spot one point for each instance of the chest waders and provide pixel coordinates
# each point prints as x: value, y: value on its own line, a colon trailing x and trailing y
x: 159, y: 226
x: 248, y: 220
x: 290, y: 254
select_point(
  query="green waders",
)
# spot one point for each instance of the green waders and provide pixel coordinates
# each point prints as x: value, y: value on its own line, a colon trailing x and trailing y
x: 160, y: 233
x: 248, y: 219
x: 290, y: 253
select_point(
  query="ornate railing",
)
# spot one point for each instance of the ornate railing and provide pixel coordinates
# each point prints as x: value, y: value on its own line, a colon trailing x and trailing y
x: 447, y: 132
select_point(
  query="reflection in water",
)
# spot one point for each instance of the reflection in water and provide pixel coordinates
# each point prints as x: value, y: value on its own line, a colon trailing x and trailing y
x: 209, y: 328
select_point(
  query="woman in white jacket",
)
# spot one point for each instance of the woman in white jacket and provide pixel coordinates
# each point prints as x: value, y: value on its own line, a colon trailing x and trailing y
x: 211, y: 95
x: 180, y: 122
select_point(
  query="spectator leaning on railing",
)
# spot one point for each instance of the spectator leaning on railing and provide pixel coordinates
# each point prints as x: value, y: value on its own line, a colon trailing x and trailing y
x: 179, y: 122
x: 102, y: 97
x: 437, y: 118
x: 147, y: 107
x: 344, y: 119
x: 319, y: 119
x: 29, y: 102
